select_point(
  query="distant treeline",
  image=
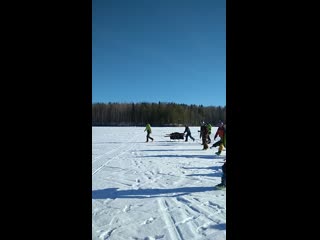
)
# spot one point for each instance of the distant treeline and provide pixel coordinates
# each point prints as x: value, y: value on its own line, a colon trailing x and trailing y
x: 157, y: 114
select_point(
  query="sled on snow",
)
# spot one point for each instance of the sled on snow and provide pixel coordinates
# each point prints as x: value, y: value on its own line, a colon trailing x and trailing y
x: 175, y: 135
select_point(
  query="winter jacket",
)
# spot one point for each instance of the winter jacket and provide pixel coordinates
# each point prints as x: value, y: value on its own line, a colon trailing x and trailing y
x: 220, y: 132
x: 148, y: 128
x: 187, y: 130
x: 209, y: 128
x: 224, y: 138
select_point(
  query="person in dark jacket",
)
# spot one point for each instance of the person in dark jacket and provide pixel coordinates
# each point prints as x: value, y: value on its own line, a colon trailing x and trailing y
x: 223, y: 183
x: 200, y: 131
x: 187, y: 130
x: 204, y: 135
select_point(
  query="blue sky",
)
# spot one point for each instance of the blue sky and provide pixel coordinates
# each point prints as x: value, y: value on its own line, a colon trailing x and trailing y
x: 159, y: 50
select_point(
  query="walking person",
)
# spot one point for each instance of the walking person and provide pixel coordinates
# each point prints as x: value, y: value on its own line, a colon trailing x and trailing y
x: 187, y: 130
x: 219, y: 133
x: 223, y: 142
x: 148, y: 129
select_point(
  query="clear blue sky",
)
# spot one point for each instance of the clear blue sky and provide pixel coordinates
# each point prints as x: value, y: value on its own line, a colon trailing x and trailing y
x: 159, y: 50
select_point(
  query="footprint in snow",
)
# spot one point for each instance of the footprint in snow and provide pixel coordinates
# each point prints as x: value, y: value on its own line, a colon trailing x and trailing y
x: 150, y: 220
x: 127, y: 208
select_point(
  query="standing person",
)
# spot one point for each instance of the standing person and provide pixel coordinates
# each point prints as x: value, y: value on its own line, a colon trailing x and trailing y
x: 148, y: 129
x: 202, y: 123
x: 204, y: 135
x: 187, y: 130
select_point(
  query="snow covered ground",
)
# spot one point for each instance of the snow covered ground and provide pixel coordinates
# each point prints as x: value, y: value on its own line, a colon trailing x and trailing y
x: 156, y: 190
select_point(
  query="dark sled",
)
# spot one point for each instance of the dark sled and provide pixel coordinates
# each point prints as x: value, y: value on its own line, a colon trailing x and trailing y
x: 175, y: 135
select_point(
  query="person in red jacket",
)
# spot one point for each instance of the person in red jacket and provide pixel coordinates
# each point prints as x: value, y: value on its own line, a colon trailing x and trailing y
x: 222, y: 141
x: 219, y: 133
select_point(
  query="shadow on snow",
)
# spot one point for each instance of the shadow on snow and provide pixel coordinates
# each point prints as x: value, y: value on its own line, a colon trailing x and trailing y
x: 180, y: 156
x: 146, y: 193
x: 216, y: 174
x: 167, y: 150
x: 214, y: 168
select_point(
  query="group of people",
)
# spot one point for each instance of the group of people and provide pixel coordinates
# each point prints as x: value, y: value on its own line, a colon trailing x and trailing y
x: 205, y: 131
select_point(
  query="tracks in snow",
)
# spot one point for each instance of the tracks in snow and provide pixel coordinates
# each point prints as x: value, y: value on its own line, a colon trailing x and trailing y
x: 188, y: 217
x: 123, y: 149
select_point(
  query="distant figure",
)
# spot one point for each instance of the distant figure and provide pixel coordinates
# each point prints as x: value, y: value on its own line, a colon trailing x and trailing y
x: 223, y: 183
x: 148, y: 129
x: 202, y: 123
x: 187, y: 130
x: 204, y: 135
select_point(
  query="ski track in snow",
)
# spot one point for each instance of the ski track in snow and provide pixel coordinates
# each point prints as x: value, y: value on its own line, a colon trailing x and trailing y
x: 134, y: 185
x: 123, y: 149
